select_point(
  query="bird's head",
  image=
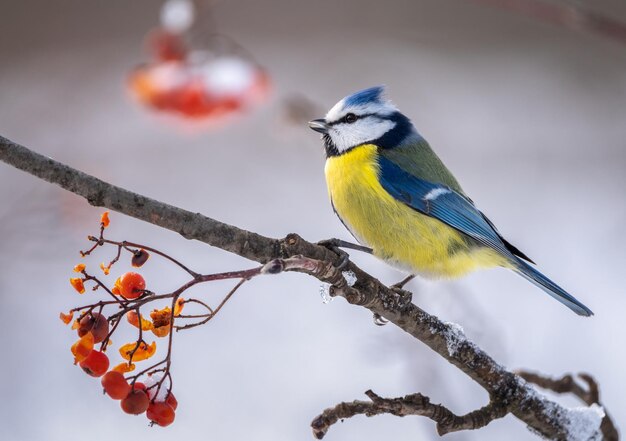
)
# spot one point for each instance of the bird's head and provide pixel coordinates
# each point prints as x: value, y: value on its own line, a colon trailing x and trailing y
x: 365, y: 117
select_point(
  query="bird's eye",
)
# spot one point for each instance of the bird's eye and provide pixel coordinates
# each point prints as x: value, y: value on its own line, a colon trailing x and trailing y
x: 350, y: 118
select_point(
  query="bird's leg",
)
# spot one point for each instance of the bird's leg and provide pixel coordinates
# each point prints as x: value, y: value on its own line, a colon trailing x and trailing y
x: 335, y: 246
x: 336, y: 243
x: 406, y: 297
x: 401, y: 283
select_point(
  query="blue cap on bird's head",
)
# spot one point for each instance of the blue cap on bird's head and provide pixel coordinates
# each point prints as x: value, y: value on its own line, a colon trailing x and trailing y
x: 367, y: 101
x: 363, y: 117
x: 371, y: 95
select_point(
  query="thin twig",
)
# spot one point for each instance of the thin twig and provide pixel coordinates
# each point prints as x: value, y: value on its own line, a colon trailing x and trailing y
x: 210, y: 316
x: 414, y: 404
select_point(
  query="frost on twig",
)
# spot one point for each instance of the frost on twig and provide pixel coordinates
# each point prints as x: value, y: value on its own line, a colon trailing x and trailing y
x: 325, y: 288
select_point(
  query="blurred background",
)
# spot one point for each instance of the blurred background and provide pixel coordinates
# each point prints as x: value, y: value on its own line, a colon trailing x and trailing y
x: 530, y: 116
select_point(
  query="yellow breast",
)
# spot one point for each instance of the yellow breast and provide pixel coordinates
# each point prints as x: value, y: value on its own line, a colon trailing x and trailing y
x: 398, y: 234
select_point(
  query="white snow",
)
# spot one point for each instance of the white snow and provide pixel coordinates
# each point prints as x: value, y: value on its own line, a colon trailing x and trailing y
x: 151, y: 381
x: 584, y: 423
x: 350, y: 277
x: 229, y: 75
x: 325, y: 287
x: 177, y: 15
x: 325, y: 293
x: 454, y: 336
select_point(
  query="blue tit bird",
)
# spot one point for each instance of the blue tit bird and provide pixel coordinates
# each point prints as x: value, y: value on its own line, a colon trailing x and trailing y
x: 395, y: 195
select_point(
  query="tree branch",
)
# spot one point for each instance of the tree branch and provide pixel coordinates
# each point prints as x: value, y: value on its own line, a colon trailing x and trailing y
x: 414, y: 404
x: 507, y: 390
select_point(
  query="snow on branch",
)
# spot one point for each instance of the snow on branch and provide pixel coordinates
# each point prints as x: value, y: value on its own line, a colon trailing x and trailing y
x: 508, y: 392
x: 582, y: 418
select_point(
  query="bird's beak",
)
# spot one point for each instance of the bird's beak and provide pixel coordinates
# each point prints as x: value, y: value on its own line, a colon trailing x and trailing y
x: 319, y: 125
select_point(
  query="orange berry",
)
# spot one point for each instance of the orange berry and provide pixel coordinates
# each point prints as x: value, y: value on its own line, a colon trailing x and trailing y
x: 131, y: 285
x: 115, y: 385
x: 142, y: 352
x: 95, y: 323
x: 134, y: 318
x: 83, y: 347
x: 137, y: 401
x: 78, y: 285
x: 79, y: 268
x: 116, y: 287
x: 162, y: 331
x: 104, y: 219
x: 106, y: 269
x: 161, y: 319
x: 122, y: 368
x: 161, y: 413
x: 178, y: 306
x: 66, y: 318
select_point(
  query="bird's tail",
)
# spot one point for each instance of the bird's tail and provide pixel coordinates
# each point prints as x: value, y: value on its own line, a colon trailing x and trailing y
x: 534, y: 276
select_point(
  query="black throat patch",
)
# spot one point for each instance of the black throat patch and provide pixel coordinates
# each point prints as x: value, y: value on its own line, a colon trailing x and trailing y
x: 329, y: 146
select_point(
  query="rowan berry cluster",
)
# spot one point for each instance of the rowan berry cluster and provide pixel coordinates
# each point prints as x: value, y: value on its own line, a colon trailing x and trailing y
x: 189, y: 81
x: 149, y: 390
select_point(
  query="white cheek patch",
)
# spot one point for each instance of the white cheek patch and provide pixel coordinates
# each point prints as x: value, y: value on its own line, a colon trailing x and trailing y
x: 346, y: 136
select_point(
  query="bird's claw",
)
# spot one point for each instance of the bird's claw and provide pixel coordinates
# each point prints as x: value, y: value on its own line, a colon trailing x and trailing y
x: 379, y: 320
x: 333, y: 245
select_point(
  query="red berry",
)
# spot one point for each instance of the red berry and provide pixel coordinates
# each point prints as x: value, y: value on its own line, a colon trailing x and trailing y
x: 131, y: 285
x: 139, y: 385
x: 115, y: 385
x: 136, y: 402
x: 139, y: 258
x: 161, y: 413
x: 172, y: 401
x: 95, y: 323
x: 96, y: 363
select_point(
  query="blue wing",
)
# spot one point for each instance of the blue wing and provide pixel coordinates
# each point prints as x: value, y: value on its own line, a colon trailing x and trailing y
x: 440, y: 202
x: 457, y: 211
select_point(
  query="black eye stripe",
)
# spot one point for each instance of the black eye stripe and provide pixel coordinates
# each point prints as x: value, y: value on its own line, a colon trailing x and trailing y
x: 343, y: 120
